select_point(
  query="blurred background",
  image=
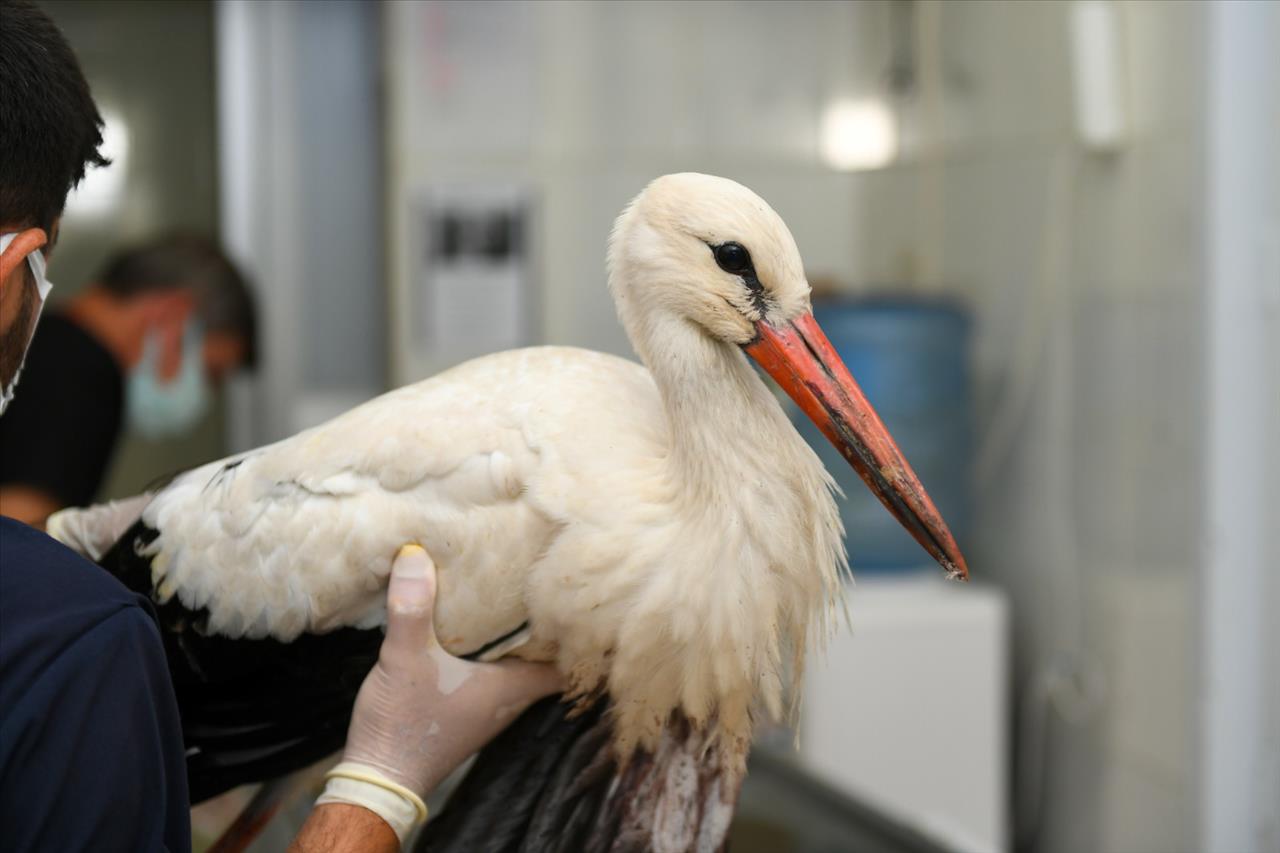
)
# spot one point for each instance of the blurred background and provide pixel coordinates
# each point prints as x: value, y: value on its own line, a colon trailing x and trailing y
x: 1045, y: 236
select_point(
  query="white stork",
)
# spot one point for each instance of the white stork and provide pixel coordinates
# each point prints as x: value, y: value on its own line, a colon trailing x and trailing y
x: 660, y: 532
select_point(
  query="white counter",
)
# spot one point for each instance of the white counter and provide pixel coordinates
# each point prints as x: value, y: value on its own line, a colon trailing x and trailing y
x: 908, y: 712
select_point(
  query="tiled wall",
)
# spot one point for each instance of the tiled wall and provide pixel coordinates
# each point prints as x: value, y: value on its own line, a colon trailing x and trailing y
x: 1086, y: 273
x: 587, y: 102
x: 1084, y: 270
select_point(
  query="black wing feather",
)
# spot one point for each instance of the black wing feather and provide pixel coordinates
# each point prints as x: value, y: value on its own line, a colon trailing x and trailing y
x: 550, y: 784
x: 512, y: 781
x: 251, y: 710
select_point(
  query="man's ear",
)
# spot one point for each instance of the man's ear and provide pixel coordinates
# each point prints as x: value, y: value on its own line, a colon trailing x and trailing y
x: 15, y: 254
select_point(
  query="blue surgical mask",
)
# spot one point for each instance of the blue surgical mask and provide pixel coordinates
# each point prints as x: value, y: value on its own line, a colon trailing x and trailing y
x: 158, y: 409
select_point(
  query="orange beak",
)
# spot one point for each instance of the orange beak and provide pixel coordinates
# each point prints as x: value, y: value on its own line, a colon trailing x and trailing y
x: 800, y: 358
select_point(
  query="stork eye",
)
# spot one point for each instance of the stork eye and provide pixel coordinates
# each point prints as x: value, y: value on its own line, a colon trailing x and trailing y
x: 733, y: 258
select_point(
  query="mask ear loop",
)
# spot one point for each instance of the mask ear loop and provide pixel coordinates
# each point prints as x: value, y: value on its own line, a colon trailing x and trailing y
x: 171, y: 338
x: 40, y: 266
x: 193, y: 337
x: 193, y: 350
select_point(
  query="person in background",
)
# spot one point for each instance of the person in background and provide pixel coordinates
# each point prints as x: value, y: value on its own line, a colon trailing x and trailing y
x: 143, y: 345
x: 91, y: 748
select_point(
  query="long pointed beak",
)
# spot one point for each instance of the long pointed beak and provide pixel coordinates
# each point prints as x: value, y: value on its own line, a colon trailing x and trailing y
x: 801, y: 359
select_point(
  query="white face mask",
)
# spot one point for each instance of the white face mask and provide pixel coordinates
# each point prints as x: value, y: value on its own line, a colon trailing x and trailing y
x: 37, y: 262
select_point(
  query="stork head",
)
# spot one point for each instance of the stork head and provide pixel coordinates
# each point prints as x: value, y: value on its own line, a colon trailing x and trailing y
x: 709, y: 251
x: 701, y: 251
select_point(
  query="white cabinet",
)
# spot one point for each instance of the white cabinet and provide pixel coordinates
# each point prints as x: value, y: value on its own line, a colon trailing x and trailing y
x: 908, y: 711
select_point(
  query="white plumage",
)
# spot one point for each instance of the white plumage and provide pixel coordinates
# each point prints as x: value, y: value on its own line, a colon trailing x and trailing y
x: 665, y: 533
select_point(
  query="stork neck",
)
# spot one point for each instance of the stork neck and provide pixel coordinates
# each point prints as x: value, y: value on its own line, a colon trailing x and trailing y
x: 725, y: 423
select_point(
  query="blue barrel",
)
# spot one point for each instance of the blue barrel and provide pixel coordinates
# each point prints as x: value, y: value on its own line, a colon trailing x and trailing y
x: 911, y: 358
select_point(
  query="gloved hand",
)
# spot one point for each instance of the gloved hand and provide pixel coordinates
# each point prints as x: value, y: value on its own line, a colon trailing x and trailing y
x: 91, y: 531
x: 421, y: 711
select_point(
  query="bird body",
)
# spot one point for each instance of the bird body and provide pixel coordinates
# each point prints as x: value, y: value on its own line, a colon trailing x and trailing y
x: 553, y: 490
x: 660, y: 533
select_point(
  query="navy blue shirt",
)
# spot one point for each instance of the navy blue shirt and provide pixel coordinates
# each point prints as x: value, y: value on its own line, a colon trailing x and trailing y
x: 91, y: 754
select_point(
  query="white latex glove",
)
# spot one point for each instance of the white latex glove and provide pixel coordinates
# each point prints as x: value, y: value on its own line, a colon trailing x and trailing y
x: 421, y: 711
x: 91, y: 531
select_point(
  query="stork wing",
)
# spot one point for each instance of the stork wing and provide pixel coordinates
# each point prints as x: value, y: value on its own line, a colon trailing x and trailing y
x: 267, y: 568
x: 299, y: 536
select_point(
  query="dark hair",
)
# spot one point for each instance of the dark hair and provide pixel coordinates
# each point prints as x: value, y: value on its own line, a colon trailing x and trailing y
x: 50, y: 129
x: 223, y: 300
